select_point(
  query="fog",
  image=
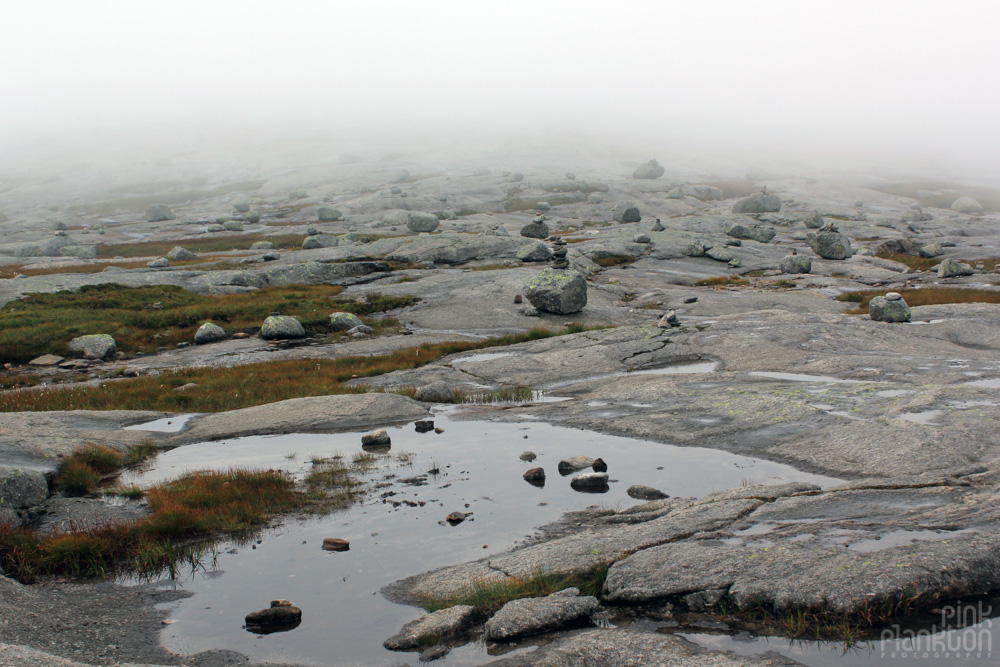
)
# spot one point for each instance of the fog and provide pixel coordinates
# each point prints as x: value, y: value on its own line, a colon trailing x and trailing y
x: 908, y: 85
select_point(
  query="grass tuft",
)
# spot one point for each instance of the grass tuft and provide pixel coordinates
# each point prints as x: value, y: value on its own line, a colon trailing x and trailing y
x: 927, y: 296
x: 723, y: 281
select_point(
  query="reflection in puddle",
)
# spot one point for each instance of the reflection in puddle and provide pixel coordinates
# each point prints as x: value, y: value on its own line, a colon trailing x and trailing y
x: 485, y: 356
x: 926, y: 417
x: 898, y: 538
x: 165, y: 425
x: 698, y: 367
x: 992, y: 383
x: 397, y: 531
x: 802, y: 377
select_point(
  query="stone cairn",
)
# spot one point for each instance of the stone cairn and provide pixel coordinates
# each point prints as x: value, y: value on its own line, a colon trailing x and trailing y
x: 559, y: 260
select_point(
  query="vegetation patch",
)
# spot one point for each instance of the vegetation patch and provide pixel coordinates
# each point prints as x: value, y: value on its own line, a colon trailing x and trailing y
x: 208, y: 243
x: 502, y: 395
x: 928, y: 296
x: 723, y: 281
x: 229, y: 388
x: 912, y: 261
x: 205, y: 262
x: 489, y: 595
x: 946, y: 193
x: 614, y: 260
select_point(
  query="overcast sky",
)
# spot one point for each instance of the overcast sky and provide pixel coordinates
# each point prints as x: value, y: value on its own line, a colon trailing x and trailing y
x: 903, y: 78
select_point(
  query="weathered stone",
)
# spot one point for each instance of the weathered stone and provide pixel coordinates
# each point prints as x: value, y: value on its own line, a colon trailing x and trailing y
x: 94, y: 346
x: 531, y: 616
x: 329, y: 214
x: 814, y: 220
x: 79, y: 251
x: 319, y: 241
x: 757, y: 203
x: 720, y: 253
x: 241, y: 207
x: 952, y: 268
x: 299, y: 193
x: 46, y: 360
x: 215, y: 228
x: 435, y: 392
x: 341, y: 321
x: 627, y: 213
x: 21, y: 487
x: 932, y: 250
x: 641, y: 238
x: 557, y: 291
x: 642, y: 492
x: 262, y: 245
x: 179, y: 254
x: 535, y: 230
x: 209, y: 332
x: 881, y: 309
x: 160, y: 263
x: 648, y: 171
x: 440, y: 625
x: 534, y: 252
x: 967, y: 205
x: 159, y: 213
x: 281, y: 327
x: 830, y: 245
x: 420, y: 222
x: 751, y: 233
x: 253, y: 217
x: 795, y: 264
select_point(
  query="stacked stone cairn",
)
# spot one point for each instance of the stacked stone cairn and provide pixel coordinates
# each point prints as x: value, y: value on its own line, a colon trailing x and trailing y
x: 559, y: 260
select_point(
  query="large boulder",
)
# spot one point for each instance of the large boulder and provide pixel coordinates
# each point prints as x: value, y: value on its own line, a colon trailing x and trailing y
x: 344, y: 321
x: 627, y: 212
x: 94, y: 346
x: 21, y: 487
x: 830, y: 245
x: 967, y: 205
x: 557, y: 291
x: 757, y: 203
x: 431, y: 628
x: 180, y: 254
x: 952, y: 268
x: 418, y: 221
x: 535, y: 230
x: 751, y: 233
x: 795, y: 264
x: 159, y: 213
x: 281, y: 327
x: 650, y: 170
x: 535, y: 251
x: 329, y: 214
x: 889, y: 308
x: 209, y: 333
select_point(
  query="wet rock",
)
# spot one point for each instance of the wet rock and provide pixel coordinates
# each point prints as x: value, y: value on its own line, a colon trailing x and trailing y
x: 281, y: 327
x: 434, y: 653
x: 435, y: 392
x: 534, y: 252
x: 648, y: 171
x: 456, y: 518
x: 830, y: 245
x: 751, y: 233
x: 159, y: 213
x: 814, y: 220
x: 795, y: 264
x: 590, y: 480
x: 46, y: 360
x: 534, y: 475
x: 280, y: 614
x: 424, y: 425
x: 336, y: 544
x: 757, y: 203
x: 531, y: 616
x: 572, y: 464
x: 161, y: 263
x: 557, y: 291
x: 528, y: 456
x: 179, y: 254
x: 341, y: 321
x: 440, y: 625
x: 419, y: 222
x: 642, y: 492
x: 627, y: 213
x: 884, y: 309
x: 329, y: 214
x: 535, y: 229
x: 209, y: 332
x: 21, y: 487
x: 379, y: 438
x: 94, y: 346
x: 704, y: 601
x: 952, y: 268
x: 599, y: 465
x: 967, y: 205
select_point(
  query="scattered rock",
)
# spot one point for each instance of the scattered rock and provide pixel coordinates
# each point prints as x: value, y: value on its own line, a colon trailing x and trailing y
x: 419, y: 222
x: 209, y: 332
x: 314, y: 241
x: 627, y: 213
x: 641, y: 238
x: 277, y: 615
x: 232, y: 226
x: 159, y: 213
x: 534, y: 252
x: 704, y: 601
x: 814, y: 220
x: 757, y: 203
x: 262, y: 245
x: 379, y: 438
x: 46, y: 360
x: 329, y: 214
x: 161, y: 263
x: 967, y: 205
x: 590, y: 480
x: 94, y: 346
x: 830, y: 245
x: 281, y: 327
x: 241, y: 207
x: 531, y: 616
x: 456, y: 518
x: 435, y: 392
x: 931, y: 250
x: 558, y: 291
x: 648, y: 171
x: 795, y: 264
x: 21, y: 488
x: 424, y: 425
x: 534, y: 475
x: 599, y: 465
x: 179, y: 254
x: 440, y: 625
x: 253, y: 217
x: 720, y: 253
x: 669, y: 319
x: 952, y: 268
x: 751, y: 233
x: 535, y: 229
x: 336, y: 544
x: 298, y: 194
x: 528, y: 456
x: 574, y: 463
x: 341, y: 321
x: 642, y: 492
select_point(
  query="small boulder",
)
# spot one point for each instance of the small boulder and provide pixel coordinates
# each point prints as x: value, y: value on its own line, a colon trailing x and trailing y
x: 751, y: 233
x: 830, y: 245
x: 179, y: 254
x: 720, y: 253
x: 298, y: 194
x: 440, y: 625
x: 642, y: 492
x: 419, y: 222
x: 536, y: 229
x: 757, y: 203
x: 455, y: 518
x: 159, y: 213
x: 94, y: 346
x: 931, y: 250
x: 21, y: 488
x: 534, y: 252
x: 424, y: 426
x: 534, y: 475
x: 574, y: 463
x: 531, y: 616
x: 627, y: 213
x: 232, y: 226
x: 262, y: 245
x: 215, y: 228
x: 886, y: 309
x: 209, y: 332
x: 329, y: 214
x: 253, y: 217
x: 335, y: 544
x: 558, y: 291
x: 952, y: 268
x: 599, y: 465
x: 967, y: 205
x: 241, y: 207
x: 590, y: 480
x: 379, y: 438
x: 315, y: 241
x: 814, y: 220
x: 641, y: 238
x: 795, y: 264
x: 648, y: 171
x: 281, y: 327
x: 278, y: 614
x: 435, y: 392
x: 341, y: 321
x: 528, y: 456
x: 46, y: 360
x: 160, y: 263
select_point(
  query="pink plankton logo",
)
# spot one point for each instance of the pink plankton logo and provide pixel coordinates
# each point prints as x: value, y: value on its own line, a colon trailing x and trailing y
x: 965, y: 633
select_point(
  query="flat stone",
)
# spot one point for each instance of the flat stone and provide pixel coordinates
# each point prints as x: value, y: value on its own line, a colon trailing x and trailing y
x: 574, y: 463
x: 46, y: 360
x: 440, y: 625
x: 531, y: 616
